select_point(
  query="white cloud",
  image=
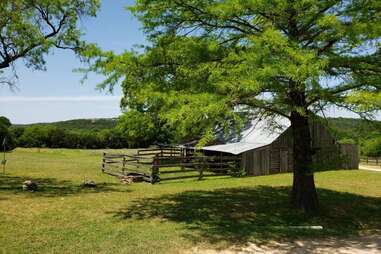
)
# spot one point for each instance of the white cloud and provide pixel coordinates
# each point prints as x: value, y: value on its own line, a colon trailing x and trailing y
x: 60, y: 98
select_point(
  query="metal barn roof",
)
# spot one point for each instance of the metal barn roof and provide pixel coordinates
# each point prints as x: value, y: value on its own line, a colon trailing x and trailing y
x: 234, y: 148
x: 257, y: 136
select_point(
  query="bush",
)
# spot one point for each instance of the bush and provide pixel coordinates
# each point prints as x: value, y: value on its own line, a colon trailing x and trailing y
x: 372, y: 147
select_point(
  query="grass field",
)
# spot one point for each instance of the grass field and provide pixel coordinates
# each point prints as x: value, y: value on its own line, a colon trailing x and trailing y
x: 168, y: 217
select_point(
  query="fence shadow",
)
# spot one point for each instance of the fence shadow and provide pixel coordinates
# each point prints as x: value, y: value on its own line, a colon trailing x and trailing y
x: 52, y: 187
x: 262, y: 213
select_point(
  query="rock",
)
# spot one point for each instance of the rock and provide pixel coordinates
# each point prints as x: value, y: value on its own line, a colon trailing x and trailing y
x: 89, y: 184
x: 126, y: 180
x: 29, y: 185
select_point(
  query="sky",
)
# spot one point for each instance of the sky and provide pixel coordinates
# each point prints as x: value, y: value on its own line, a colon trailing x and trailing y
x: 57, y: 94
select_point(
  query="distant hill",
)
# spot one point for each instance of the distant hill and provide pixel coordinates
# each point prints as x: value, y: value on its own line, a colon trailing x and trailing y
x: 79, y: 124
x: 356, y: 129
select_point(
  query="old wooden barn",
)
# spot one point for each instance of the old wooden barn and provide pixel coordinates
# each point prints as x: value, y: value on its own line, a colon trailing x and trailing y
x: 265, y: 154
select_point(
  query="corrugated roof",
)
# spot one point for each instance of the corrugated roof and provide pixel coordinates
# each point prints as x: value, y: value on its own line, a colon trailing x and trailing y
x: 234, y: 148
x: 257, y: 136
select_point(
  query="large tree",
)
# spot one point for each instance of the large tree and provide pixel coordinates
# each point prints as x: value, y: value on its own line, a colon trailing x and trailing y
x: 214, y: 64
x: 6, y: 136
x: 30, y: 28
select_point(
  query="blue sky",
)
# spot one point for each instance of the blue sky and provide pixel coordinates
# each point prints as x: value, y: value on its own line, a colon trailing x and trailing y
x: 57, y: 94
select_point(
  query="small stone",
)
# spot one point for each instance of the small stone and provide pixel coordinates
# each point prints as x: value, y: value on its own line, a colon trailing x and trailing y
x: 29, y: 185
x: 126, y: 180
x: 89, y: 184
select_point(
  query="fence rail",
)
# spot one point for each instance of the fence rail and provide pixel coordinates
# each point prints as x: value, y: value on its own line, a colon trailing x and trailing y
x: 371, y: 160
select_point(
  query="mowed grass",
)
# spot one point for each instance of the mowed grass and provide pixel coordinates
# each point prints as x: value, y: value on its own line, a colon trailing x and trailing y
x: 169, y: 217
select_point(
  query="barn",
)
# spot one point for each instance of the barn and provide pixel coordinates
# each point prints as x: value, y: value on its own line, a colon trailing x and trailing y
x: 264, y: 153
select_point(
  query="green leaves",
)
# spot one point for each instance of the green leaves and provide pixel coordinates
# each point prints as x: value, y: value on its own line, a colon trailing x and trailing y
x: 29, y: 29
x: 365, y: 101
x: 214, y: 65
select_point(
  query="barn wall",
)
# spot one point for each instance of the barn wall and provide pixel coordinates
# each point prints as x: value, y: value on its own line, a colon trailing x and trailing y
x: 350, y: 155
x: 277, y: 157
x: 257, y: 162
x: 319, y: 134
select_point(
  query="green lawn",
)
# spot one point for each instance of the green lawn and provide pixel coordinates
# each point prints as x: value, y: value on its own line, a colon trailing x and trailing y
x: 168, y: 217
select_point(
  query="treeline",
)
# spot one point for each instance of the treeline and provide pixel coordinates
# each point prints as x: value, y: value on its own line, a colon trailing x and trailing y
x: 133, y: 130
x: 79, y: 124
x: 127, y: 132
x: 56, y: 137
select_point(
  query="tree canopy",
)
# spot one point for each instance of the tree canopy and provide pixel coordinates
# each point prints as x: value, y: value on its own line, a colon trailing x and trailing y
x: 29, y: 29
x: 217, y: 64
x: 222, y: 57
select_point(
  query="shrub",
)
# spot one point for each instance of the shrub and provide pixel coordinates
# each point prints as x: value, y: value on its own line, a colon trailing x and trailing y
x: 372, y: 147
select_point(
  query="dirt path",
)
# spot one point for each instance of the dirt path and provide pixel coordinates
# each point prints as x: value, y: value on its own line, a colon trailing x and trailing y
x: 372, y: 168
x: 354, y: 245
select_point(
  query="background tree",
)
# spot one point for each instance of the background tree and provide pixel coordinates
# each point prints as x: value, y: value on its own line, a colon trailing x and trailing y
x: 29, y: 29
x: 138, y: 128
x: 372, y: 147
x: 6, y: 134
x: 216, y: 64
x: 35, y: 136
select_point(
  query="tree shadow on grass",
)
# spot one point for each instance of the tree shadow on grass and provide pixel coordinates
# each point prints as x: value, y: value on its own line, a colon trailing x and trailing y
x: 239, y: 215
x: 51, y: 187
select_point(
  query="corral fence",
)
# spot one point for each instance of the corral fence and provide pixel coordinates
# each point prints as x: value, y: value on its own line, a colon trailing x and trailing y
x: 370, y: 160
x: 169, y: 163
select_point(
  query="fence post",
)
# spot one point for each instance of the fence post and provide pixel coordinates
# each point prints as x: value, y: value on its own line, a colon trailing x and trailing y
x: 201, y: 171
x: 124, y: 165
x: 154, y: 170
x: 103, y: 162
x: 182, y: 162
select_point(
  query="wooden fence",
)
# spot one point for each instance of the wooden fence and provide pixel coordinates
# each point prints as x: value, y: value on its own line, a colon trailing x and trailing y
x: 121, y: 165
x: 162, y: 151
x: 371, y: 160
x: 168, y: 164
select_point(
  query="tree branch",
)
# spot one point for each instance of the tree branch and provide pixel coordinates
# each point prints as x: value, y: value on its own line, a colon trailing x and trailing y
x: 10, y: 58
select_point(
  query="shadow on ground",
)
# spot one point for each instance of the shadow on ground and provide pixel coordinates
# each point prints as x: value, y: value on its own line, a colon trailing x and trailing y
x: 51, y: 187
x: 239, y: 215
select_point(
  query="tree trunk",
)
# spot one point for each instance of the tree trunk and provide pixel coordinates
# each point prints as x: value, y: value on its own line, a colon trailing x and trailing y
x: 303, y: 195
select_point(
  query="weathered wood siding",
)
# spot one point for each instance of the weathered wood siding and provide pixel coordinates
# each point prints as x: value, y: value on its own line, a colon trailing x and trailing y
x: 350, y: 154
x: 277, y: 157
x: 257, y: 161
